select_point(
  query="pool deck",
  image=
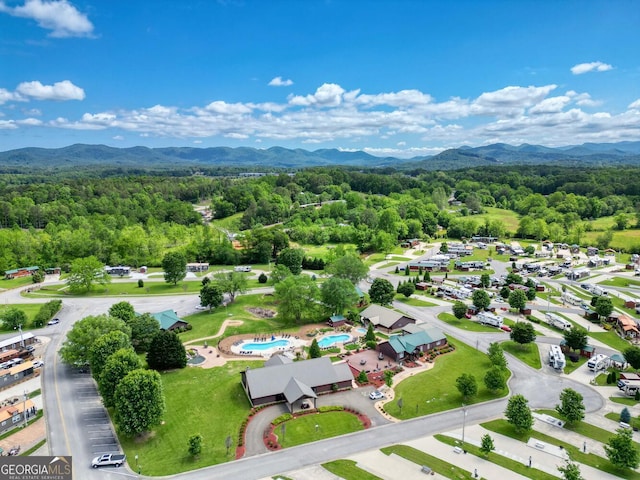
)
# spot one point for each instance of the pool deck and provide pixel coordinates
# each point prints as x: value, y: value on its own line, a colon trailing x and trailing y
x: 239, y: 348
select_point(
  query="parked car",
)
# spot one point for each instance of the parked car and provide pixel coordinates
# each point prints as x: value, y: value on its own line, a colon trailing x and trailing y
x: 506, y: 328
x: 202, y: 307
x: 467, y: 315
x: 38, y: 364
x: 108, y: 459
x: 376, y: 395
x: 54, y: 321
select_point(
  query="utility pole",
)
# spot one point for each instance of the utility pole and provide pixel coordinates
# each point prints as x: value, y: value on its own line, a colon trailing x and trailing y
x: 464, y: 421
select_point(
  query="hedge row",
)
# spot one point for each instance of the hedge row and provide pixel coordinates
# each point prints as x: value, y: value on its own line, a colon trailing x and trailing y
x: 46, y: 313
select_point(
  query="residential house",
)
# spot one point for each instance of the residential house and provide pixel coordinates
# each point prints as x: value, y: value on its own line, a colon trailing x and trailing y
x: 384, y: 319
x: 283, y: 380
x: 413, y: 340
x: 20, y: 272
x: 627, y: 327
x: 337, y: 320
x: 168, y: 320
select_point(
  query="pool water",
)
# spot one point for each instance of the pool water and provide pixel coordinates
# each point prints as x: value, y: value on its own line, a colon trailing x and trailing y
x: 265, y: 345
x: 361, y: 330
x: 333, y: 339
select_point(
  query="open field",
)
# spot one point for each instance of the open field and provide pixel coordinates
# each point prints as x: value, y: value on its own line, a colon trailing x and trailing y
x: 509, y: 218
x: 30, y: 310
x: 311, y: 428
x: 190, y: 394
x: 439, y: 382
x: 622, y: 239
x: 528, y: 353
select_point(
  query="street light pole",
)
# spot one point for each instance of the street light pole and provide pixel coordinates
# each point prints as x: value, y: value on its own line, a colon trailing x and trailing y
x: 19, y: 327
x: 464, y: 421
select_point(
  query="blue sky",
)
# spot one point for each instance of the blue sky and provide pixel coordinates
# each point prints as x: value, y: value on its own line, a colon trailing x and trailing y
x: 400, y: 78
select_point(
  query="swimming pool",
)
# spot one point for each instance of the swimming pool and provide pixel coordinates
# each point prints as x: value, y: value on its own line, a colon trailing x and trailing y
x: 361, y: 330
x: 333, y: 339
x: 266, y: 345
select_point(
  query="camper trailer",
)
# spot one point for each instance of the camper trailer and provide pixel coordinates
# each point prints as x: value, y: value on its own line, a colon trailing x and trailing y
x: 557, y: 321
x: 488, y: 318
x: 599, y: 362
x: 556, y: 358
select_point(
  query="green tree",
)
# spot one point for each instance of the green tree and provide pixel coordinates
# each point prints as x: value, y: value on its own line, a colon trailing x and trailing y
x: 570, y: 471
x: 362, y: 377
x: 122, y: 310
x: 231, y: 283
x: 485, y: 280
x: 604, y: 306
x: 576, y: 338
x: 12, y: 318
x: 571, y: 405
x: 85, y: 272
x: 505, y: 292
x: 496, y: 355
x: 517, y: 299
x: 105, y: 346
x: 37, y: 276
x: 292, y: 259
x: 297, y: 297
x: 620, y: 449
x: 314, y: 349
x: 467, y: 385
x: 381, y: 291
x: 625, y: 416
x: 407, y: 289
x: 139, y: 402
x: 174, y: 265
x: 75, y: 349
x: 486, y: 445
x: 523, y: 333
x: 388, y: 378
x: 494, y: 379
x: 370, y: 336
x: 338, y: 294
x: 115, y: 369
x: 262, y: 278
x: 632, y: 356
x: 459, y: 309
x: 166, y: 352
x: 279, y: 273
x: 195, y: 445
x: 480, y: 299
x: 518, y: 413
x: 211, y: 295
x: 349, y: 267
x: 143, y: 328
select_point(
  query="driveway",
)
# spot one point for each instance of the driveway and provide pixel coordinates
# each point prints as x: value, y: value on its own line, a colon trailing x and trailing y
x: 357, y: 399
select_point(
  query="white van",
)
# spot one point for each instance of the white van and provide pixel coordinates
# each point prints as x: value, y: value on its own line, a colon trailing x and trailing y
x: 244, y: 268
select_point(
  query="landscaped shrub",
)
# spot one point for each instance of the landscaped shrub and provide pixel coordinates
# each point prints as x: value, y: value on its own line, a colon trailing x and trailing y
x: 140, y: 283
x: 282, y: 418
x: 330, y: 408
x: 46, y: 312
x: 533, y: 319
x: 371, y: 344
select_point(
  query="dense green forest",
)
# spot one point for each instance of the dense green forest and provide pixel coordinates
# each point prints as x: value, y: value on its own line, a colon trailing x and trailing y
x: 135, y: 218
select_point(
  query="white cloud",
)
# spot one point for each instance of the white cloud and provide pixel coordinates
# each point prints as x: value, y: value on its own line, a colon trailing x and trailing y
x: 59, y: 16
x: 225, y: 108
x: 7, y: 96
x: 279, y: 82
x: 403, y: 98
x: 581, y: 68
x: 328, y: 95
x: 634, y: 105
x: 509, y: 101
x: 550, y: 105
x: 64, y: 90
x: 118, y: 137
x: 31, y: 122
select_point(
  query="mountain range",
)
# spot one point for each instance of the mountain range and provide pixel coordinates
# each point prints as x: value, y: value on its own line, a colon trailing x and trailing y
x: 246, y: 158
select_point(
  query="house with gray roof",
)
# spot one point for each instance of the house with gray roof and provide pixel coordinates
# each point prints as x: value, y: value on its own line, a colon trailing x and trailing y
x: 384, y: 319
x: 413, y: 340
x: 283, y: 380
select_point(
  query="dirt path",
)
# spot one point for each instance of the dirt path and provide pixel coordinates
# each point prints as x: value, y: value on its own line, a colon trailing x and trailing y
x: 223, y: 327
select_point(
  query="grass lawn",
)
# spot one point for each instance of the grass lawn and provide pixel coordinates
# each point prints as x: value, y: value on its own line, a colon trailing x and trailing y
x: 231, y: 223
x: 621, y: 282
x: 527, y: 353
x: 419, y: 457
x: 435, y: 391
x: 210, y: 402
x: 414, y: 302
x: 465, y: 324
x: 30, y: 310
x: 611, y: 339
x: 509, y: 218
x: 348, y: 470
x: 128, y: 288
x: 622, y: 240
x: 627, y: 401
x: 322, y: 251
x: 505, y: 462
x: 389, y: 264
x: 207, y: 324
x: 311, y: 428
x: 16, y: 282
x: 572, y: 366
x: 575, y: 451
x: 615, y: 416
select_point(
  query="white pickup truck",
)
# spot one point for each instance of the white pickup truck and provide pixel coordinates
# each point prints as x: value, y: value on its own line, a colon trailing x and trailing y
x: 108, y: 459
